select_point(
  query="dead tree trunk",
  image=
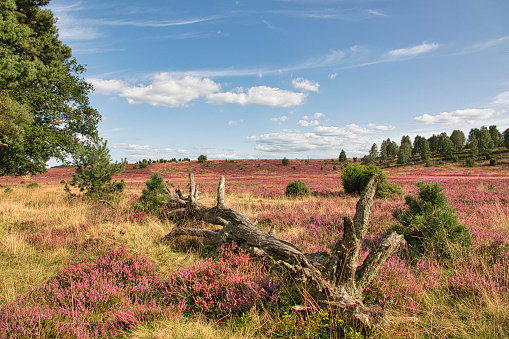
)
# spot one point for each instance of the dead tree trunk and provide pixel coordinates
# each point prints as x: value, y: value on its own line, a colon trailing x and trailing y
x: 333, y: 279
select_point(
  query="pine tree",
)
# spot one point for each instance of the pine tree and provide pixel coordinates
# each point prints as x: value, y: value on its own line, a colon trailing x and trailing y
x: 342, y: 156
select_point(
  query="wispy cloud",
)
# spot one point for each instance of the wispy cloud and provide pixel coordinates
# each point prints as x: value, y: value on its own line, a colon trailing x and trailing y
x: 235, y: 123
x: 413, y: 51
x: 501, y: 99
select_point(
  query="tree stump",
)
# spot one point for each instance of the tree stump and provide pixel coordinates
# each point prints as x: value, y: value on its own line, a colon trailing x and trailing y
x: 334, y: 280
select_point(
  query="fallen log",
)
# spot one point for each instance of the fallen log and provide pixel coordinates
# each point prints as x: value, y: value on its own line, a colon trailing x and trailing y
x: 334, y: 280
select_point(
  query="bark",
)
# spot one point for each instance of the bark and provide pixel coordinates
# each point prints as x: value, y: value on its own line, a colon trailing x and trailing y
x: 333, y: 280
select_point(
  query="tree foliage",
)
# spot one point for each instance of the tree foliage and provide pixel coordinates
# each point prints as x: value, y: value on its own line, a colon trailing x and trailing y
x: 405, y: 150
x: 44, y: 104
x: 458, y: 139
x: 202, y: 158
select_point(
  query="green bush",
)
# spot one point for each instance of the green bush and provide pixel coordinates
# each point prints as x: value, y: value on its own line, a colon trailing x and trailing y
x: 470, y: 162
x: 297, y: 188
x: 32, y: 185
x: 429, y: 225
x: 202, y: 158
x: 493, y: 162
x: 356, y: 177
x: 152, y: 195
x: 285, y: 161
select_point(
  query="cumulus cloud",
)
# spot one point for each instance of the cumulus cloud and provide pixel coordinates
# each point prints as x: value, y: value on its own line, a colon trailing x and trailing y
x: 170, y: 91
x: 307, y: 85
x: 318, y: 115
x: 261, y: 95
x: 292, y: 141
x: 381, y: 127
x: 413, y: 51
x: 280, y: 120
x: 137, y: 152
x: 459, y: 116
x: 107, y: 87
x: 352, y: 138
x: 306, y: 123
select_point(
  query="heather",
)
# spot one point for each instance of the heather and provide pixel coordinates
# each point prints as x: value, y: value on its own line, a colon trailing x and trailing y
x: 72, y: 267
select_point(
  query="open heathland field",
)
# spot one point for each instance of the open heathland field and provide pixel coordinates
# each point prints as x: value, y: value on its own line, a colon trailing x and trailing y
x: 79, y: 268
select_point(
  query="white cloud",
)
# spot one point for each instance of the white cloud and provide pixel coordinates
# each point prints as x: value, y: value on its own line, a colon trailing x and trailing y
x: 301, y: 83
x: 501, y: 99
x: 413, y: 51
x: 381, y: 127
x: 306, y: 123
x: 292, y: 141
x: 170, y: 91
x: 280, y: 120
x: 261, y: 95
x: 350, y: 131
x: 332, y: 76
x: 459, y: 116
x: 318, y: 115
x: 376, y: 12
x: 107, y: 87
x: 235, y: 123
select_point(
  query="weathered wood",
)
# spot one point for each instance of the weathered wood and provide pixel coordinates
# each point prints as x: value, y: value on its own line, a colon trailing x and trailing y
x: 333, y: 279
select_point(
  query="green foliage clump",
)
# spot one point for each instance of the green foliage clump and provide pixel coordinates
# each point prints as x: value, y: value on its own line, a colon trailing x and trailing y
x: 429, y: 225
x: 32, y: 185
x: 297, y: 188
x: 94, y: 171
x: 356, y: 177
x: 285, y: 161
x: 493, y: 162
x: 202, y: 158
x: 152, y: 195
x: 470, y: 162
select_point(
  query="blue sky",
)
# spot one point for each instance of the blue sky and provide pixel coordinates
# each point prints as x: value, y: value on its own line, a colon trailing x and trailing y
x: 287, y: 78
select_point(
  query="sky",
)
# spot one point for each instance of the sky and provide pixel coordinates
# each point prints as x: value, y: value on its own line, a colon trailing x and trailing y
x: 287, y: 78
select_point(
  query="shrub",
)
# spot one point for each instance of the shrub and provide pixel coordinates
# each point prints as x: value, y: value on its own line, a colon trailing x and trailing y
x: 63, y: 181
x: 356, y: 177
x: 297, y: 188
x: 32, y: 185
x: 202, y: 158
x: 152, y: 195
x: 470, y: 162
x: 94, y: 171
x: 285, y: 161
x: 430, y: 225
x: 493, y: 162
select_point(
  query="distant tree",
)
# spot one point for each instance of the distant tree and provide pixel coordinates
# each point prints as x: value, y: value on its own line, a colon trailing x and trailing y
x: 392, y: 148
x: 368, y: 160
x: 458, y: 139
x: 202, y: 158
x: 285, y: 161
x: 383, y: 151
x: 373, y: 152
x: 474, y: 133
x: 445, y: 146
x: 473, y: 148
x: 496, y: 136
x: 485, y: 143
x: 433, y: 143
x: 425, y: 152
x: 418, y: 144
x: 342, y: 156
x: 506, y: 138
x: 44, y: 106
x: 405, y: 150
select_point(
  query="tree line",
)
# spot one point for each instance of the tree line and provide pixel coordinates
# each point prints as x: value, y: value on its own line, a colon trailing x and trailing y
x: 479, y: 143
